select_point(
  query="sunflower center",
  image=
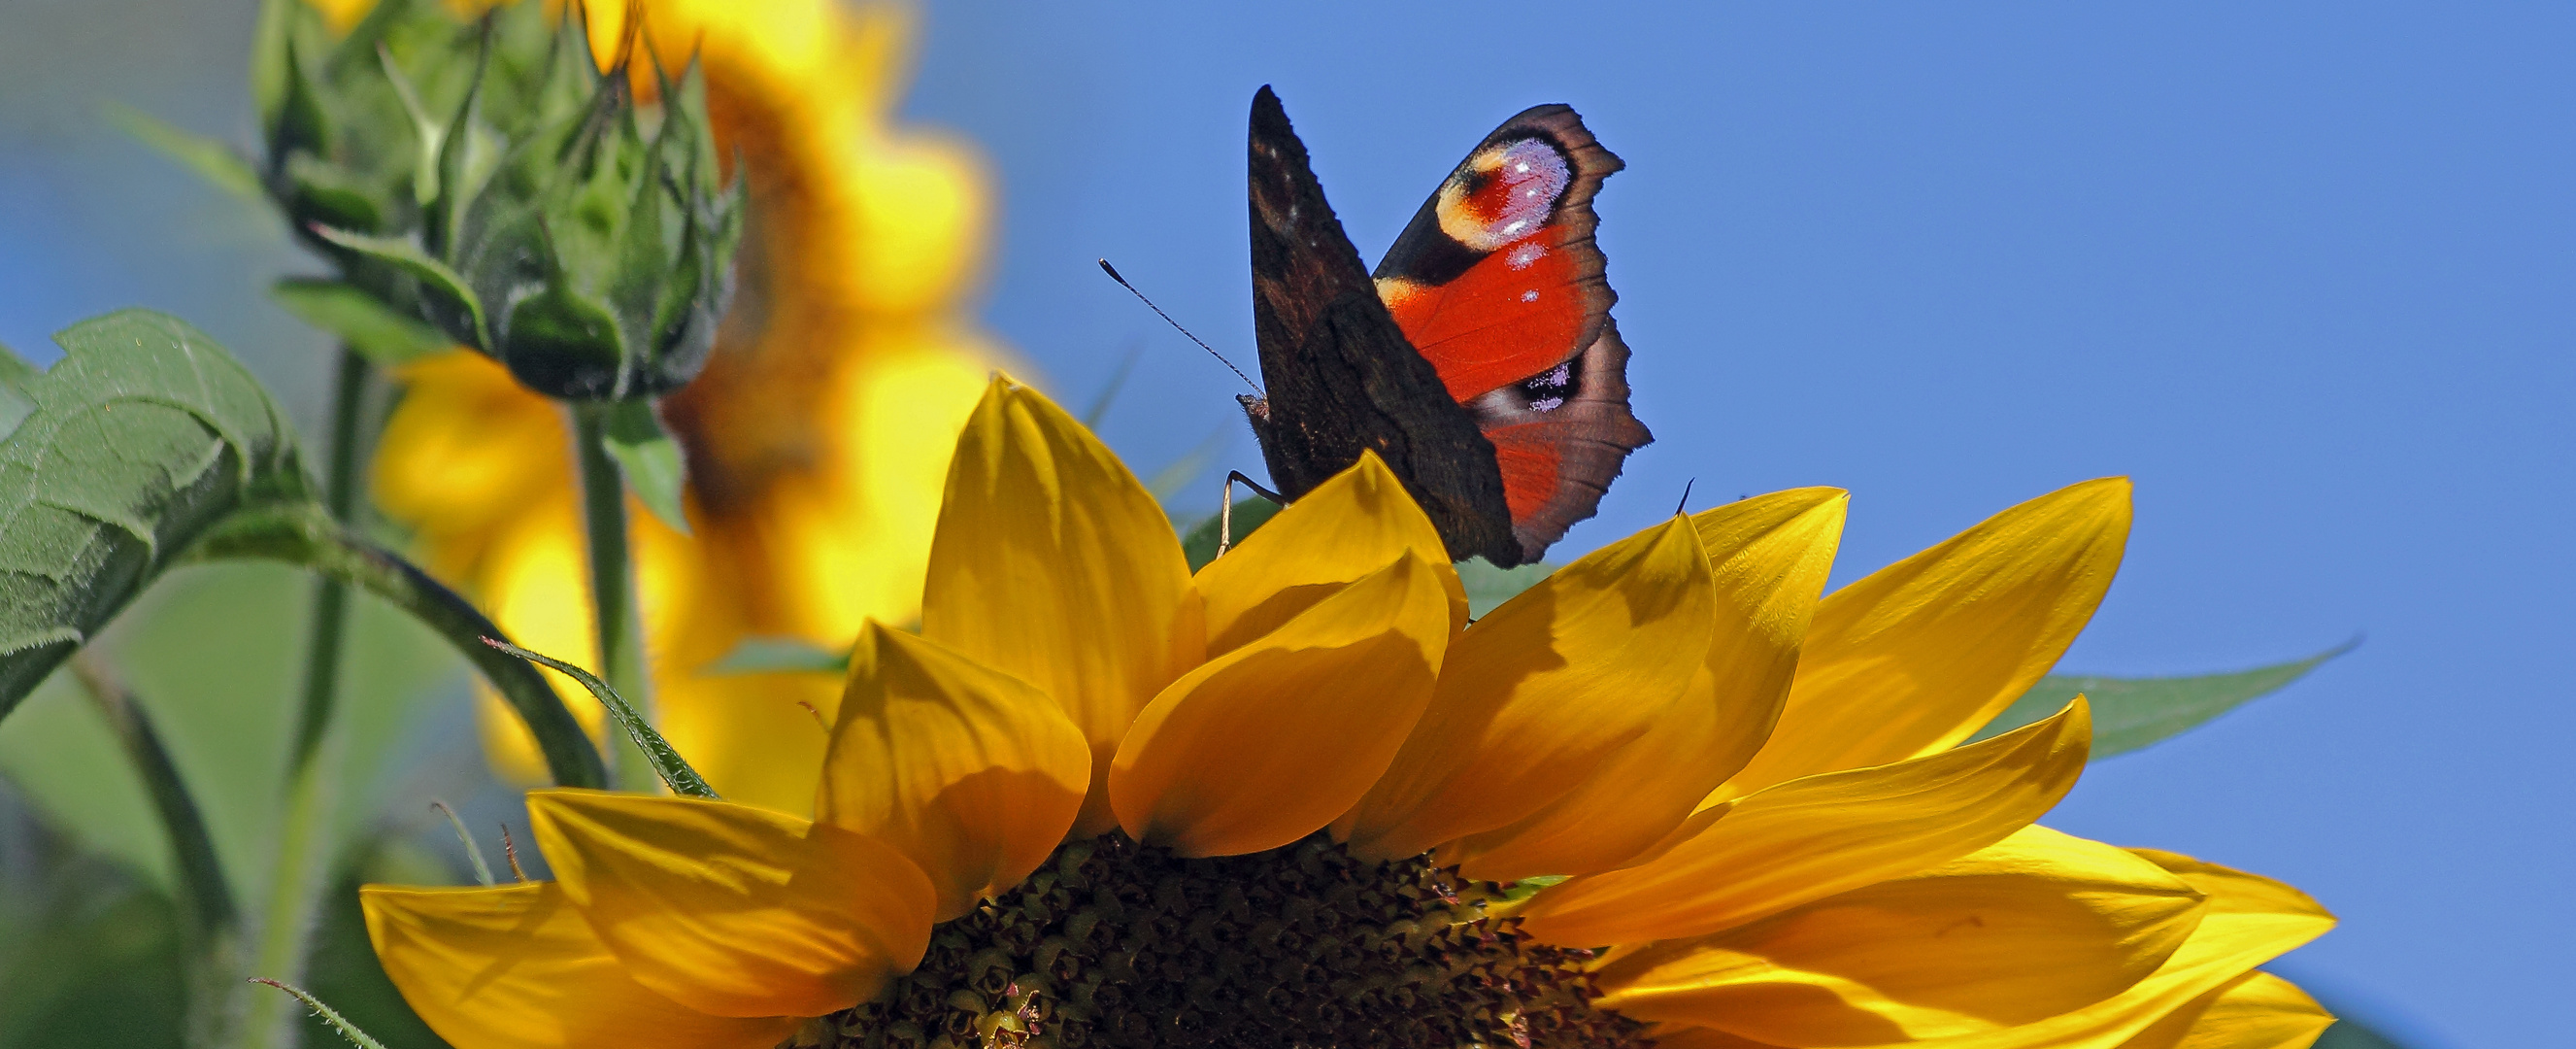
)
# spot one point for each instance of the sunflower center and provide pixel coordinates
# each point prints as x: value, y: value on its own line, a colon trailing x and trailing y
x: 1303, y: 947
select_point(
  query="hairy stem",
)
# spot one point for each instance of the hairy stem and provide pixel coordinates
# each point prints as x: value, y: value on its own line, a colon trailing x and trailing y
x: 615, y: 612
x: 303, y: 847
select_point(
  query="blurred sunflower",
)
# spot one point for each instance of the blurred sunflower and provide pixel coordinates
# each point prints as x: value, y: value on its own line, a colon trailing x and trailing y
x: 817, y: 436
x: 1667, y: 796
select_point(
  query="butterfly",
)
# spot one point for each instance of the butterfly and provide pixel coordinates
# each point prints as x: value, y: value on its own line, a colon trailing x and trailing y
x: 1479, y: 359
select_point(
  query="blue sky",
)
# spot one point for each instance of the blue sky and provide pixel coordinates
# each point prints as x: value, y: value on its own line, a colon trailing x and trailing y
x: 2302, y: 270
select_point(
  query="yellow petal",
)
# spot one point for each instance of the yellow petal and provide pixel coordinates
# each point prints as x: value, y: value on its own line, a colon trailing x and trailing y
x: 2255, y: 1011
x: 973, y: 773
x: 1269, y: 742
x: 1768, y: 558
x: 1546, y: 689
x: 1811, y: 838
x: 517, y: 968
x: 1924, y: 652
x: 2038, y: 924
x: 1053, y: 565
x: 1347, y: 527
x: 2248, y: 920
x: 734, y: 910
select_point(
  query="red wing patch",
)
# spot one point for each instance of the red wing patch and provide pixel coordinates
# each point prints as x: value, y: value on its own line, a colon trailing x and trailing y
x: 1500, y: 285
x: 1497, y: 278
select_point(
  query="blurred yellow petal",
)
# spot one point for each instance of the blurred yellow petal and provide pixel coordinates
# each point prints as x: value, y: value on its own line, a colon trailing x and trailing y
x: 1269, y: 742
x: 466, y: 450
x: 2255, y: 1011
x: 2038, y: 924
x: 2248, y: 920
x: 973, y: 773
x: 1811, y: 838
x: 735, y: 910
x: 1924, y: 652
x: 1347, y: 527
x: 1544, y: 690
x: 1768, y: 557
x: 516, y: 967
x: 1053, y: 565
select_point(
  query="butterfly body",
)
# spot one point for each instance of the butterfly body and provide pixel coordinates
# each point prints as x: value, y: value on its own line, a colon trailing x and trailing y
x: 1479, y: 359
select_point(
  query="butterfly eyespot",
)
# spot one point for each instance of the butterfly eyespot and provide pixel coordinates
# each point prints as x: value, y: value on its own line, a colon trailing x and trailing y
x: 1503, y: 193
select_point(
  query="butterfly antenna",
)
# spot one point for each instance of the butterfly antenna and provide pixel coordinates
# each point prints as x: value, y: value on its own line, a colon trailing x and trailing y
x: 1112, y: 271
x: 1679, y: 507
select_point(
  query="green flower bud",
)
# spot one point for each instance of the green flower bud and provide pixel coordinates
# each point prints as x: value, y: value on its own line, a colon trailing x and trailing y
x: 492, y: 180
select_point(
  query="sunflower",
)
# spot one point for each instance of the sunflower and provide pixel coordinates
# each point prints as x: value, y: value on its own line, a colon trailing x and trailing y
x: 817, y: 435
x: 1666, y: 796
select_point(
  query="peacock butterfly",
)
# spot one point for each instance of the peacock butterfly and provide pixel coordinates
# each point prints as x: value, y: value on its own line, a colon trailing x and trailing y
x: 1479, y: 360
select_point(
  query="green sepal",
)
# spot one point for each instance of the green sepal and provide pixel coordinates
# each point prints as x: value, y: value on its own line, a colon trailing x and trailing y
x: 144, y: 436
x: 432, y: 134
x: 562, y: 343
x: 363, y: 321
x: 452, y: 304
x: 649, y: 460
x: 667, y: 762
x: 2133, y: 713
x: 780, y: 655
x: 212, y: 159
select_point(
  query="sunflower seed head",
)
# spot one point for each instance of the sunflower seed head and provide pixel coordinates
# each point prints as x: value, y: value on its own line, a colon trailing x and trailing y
x: 1116, y: 945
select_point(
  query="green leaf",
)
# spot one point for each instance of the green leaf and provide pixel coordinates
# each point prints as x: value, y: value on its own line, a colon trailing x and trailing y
x: 144, y: 436
x: 1199, y: 543
x: 209, y: 157
x: 780, y: 655
x: 649, y: 460
x: 447, y: 292
x: 2131, y: 713
x: 667, y: 762
x: 15, y: 405
x: 1488, y: 587
x: 363, y: 321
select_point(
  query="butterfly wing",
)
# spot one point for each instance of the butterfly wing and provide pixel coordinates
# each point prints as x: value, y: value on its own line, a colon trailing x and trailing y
x: 1341, y: 376
x: 1498, y: 282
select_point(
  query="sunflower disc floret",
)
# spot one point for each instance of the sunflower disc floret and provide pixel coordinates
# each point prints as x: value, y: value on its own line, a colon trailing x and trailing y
x: 1118, y: 944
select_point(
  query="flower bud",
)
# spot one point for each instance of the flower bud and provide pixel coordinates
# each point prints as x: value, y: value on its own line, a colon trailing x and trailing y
x: 495, y: 182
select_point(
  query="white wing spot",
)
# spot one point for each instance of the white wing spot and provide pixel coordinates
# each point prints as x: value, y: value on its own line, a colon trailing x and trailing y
x: 1530, y: 295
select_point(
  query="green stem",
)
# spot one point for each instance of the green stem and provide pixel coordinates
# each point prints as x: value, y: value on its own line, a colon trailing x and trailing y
x: 615, y: 611
x: 303, y: 535
x: 205, y: 897
x: 303, y: 837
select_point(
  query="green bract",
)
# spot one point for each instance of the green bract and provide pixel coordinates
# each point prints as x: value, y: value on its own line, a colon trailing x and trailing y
x: 492, y: 180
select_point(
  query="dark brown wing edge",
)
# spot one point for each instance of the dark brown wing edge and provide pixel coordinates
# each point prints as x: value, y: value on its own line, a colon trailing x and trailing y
x: 1341, y: 376
x: 1592, y: 433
